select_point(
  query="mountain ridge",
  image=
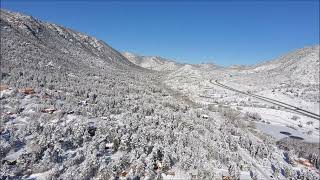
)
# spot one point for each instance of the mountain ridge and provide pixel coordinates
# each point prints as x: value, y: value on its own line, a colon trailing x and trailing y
x: 73, y: 107
x: 131, y: 57
x: 70, y: 43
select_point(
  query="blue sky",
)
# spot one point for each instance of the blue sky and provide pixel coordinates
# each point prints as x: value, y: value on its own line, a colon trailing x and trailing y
x: 221, y: 32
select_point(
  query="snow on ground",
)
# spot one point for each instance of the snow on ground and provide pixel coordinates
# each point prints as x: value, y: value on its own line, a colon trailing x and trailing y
x: 176, y: 174
x: 15, y: 154
x: 274, y: 130
x: 116, y: 156
x: 295, y: 101
x: 274, y: 116
x: 40, y: 176
x: 279, y: 120
x: 197, y: 87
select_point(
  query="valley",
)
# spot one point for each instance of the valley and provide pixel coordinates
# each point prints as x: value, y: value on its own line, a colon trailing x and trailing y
x: 73, y: 107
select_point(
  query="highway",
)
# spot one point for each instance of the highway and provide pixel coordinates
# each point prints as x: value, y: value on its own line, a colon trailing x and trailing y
x: 272, y: 101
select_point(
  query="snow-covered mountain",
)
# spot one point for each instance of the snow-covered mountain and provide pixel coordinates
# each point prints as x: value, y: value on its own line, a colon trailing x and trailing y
x: 72, y: 107
x: 292, y: 78
x: 301, y: 66
x: 161, y: 64
x: 152, y: 62
x: 297, y: 72
x: 60, y: 46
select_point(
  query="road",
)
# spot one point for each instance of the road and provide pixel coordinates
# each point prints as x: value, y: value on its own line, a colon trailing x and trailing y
x: 272, y: 101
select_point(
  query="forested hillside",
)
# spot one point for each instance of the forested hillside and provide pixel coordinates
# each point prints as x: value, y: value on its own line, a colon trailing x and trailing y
x: 72, y: 107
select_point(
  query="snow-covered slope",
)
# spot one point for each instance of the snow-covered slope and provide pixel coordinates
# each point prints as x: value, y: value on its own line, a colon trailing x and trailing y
x: 152, y: 62
x: 295, y: 73
x: 301, y: 66
x: 292, y: 78
x: 161, y: 64
x: 61, y: 46
x: 72, y: 107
